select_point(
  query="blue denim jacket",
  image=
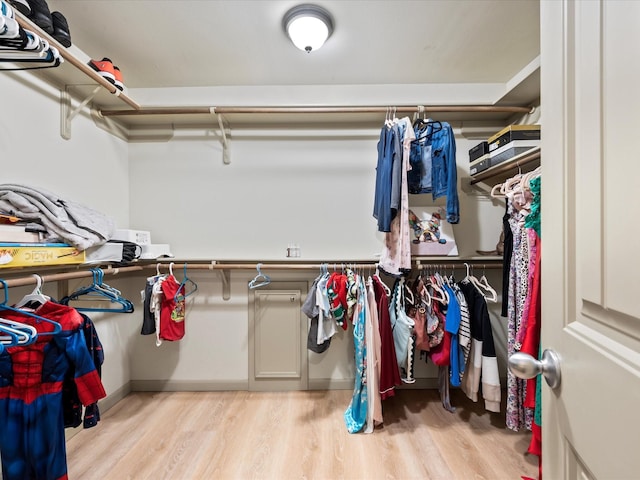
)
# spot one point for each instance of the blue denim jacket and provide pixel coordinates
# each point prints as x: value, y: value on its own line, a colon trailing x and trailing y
x: 436, y: 174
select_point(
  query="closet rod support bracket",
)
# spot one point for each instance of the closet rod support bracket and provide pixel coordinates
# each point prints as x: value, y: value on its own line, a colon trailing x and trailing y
x: 226, y: 156
x: 67, y: 113
x: 475, y: 189
x: 225, y: 276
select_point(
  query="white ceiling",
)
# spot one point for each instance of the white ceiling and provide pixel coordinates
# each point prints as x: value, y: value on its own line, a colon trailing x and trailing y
x: 240, y: 42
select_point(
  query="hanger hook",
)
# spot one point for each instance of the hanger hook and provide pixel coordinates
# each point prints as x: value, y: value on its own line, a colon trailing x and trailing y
x: 39, y: 282
x: 158, y: 268
x: 171, y: 268
x: 467, y: 265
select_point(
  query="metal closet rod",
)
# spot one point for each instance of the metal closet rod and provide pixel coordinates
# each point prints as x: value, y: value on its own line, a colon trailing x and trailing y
x: 214, y: 265
x: 54, y: 277
x: 306, y: 109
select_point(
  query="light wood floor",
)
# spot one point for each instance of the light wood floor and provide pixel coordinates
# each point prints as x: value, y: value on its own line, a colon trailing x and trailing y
x: 295, y: 435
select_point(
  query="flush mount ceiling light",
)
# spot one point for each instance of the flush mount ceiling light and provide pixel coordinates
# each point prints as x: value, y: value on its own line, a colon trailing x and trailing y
x: 308, y: 26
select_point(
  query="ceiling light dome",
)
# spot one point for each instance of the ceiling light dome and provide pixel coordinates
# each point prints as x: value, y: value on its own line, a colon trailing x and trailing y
x: 308, y: 26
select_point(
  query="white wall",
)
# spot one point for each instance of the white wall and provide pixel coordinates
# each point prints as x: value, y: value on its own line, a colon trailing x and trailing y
x: 91, y: 169
x: 316, y: 190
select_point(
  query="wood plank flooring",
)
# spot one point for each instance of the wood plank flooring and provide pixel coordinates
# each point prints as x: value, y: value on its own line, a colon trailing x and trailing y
x: 296, y: 435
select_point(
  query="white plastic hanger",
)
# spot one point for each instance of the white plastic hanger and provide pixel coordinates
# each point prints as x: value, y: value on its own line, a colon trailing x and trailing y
x: 442, y: 295
x: 36, y: 297
x: 384, y: 285
x: 481, y: 285
x: 490, y: 293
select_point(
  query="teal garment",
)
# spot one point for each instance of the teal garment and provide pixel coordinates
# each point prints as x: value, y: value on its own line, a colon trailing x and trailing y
x: 533, y: 219
x: 355, y: 417
x: 401, y: 324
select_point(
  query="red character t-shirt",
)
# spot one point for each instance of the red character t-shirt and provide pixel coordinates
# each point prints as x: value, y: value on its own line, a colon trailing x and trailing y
x: 172, y: 312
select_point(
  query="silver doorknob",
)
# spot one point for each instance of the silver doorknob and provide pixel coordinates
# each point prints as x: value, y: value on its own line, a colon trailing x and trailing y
x: 523, y: 365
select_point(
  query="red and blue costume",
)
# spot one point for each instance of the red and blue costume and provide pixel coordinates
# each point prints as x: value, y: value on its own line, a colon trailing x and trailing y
x: 32, y: 441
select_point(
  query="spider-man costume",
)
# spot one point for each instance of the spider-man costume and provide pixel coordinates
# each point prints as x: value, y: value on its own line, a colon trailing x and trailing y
x: 32, y: 439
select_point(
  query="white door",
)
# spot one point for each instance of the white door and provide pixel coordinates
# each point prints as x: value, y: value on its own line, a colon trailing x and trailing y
x: 590, y: 51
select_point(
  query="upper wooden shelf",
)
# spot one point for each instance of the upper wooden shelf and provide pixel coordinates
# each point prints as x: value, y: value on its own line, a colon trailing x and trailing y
x: 75, y: 72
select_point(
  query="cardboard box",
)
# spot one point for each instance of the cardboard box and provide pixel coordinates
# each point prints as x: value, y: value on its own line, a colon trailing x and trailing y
x: 141, y: 237
x: 478, y: 151
x: 511, y: 149
x: 513, y: 132
x: 480, y: 164
x: 38, y: 254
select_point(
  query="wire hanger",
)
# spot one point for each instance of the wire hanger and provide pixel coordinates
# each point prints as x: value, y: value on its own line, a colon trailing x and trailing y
x: 57, y: 328
x: 260, y: 280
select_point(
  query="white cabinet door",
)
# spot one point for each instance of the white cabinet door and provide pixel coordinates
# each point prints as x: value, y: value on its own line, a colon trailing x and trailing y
x: 590, y: 69
x: 277, y: 339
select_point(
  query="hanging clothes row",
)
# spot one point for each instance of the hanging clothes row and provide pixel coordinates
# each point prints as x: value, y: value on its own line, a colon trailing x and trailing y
x: 416, y: 158
x: 164, y: 307
x: 433, y: 316
x: 451, y: 327
x: 521, y: 294
x: 43, y: 384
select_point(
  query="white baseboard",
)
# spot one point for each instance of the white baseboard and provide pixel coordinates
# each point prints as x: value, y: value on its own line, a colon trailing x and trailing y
x: 187, y: 385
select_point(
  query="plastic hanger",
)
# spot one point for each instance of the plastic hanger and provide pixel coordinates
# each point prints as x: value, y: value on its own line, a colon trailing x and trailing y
x: 100, y: 291
x: 481, y: 285
x: 490, y: 293
x: 260, y: 280
x: 433, y: 126
x: 442, y: 295
x: 408, y: 294
x: 13, y: 336
x: 422, y: 291
x: 184, y: 282
x: 36, y: 298
x: 376, y: 275
x: 9, y: 336
x: 57, y: 328
x: 24, y: 328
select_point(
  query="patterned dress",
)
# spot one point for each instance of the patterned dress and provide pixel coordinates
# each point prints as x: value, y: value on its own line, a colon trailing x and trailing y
x: 517, y: 415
